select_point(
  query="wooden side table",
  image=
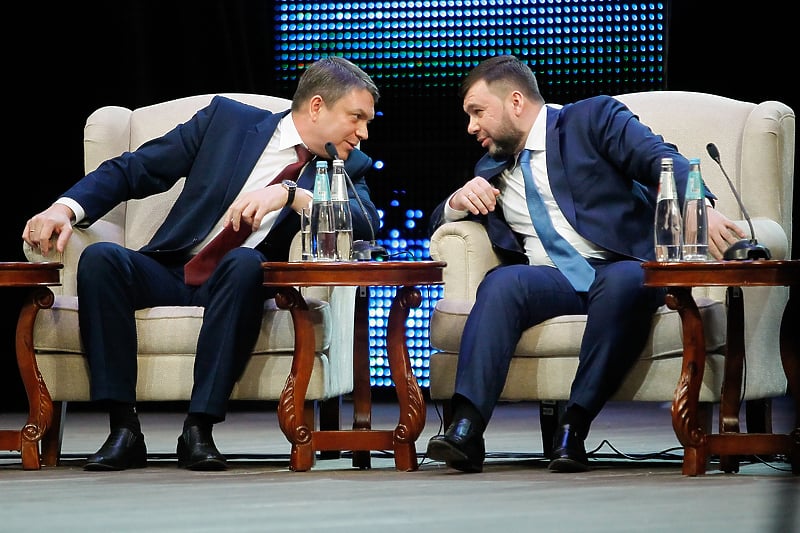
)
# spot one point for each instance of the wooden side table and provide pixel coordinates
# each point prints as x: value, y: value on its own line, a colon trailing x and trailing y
x: 405, y: 275
x: 679, y: 278
x: 37, y: 277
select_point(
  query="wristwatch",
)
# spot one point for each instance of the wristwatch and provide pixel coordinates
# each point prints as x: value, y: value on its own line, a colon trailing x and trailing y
x: 291, y: 188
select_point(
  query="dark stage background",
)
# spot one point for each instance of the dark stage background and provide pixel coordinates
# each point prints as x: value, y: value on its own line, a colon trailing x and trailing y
x: 68, y: 59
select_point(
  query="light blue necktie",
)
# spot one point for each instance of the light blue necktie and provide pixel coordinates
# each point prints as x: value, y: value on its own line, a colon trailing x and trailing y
x: 572, y: 264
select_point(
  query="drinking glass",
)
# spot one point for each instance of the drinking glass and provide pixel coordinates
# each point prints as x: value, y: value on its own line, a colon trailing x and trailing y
x: 305, y: 234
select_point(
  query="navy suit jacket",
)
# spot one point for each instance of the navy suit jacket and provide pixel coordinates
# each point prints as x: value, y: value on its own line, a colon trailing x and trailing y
x: 604, y: 167
x: 215, y: 150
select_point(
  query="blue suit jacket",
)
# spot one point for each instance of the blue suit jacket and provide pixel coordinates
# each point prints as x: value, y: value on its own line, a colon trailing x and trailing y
x: 215, y: 150
x: 604, y: 168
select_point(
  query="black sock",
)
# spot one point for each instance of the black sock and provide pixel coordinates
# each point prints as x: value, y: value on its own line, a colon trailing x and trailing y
x: 123, y: 415
x: 202, y: 420
x: 578, y: 419
x: 463, y: 408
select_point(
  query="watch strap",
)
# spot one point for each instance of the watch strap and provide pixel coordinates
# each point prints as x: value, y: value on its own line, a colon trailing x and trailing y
x: 291, y: 189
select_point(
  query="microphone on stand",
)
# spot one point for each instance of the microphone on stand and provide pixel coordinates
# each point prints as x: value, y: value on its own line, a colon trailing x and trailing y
x: 362, y: 250
x: 745, y: 248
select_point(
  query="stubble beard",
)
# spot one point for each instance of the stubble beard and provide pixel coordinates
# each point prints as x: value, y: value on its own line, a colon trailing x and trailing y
x: 506, y: 142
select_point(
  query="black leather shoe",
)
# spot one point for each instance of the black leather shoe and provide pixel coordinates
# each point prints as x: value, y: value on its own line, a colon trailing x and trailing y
x: 122, y: 449
x: 196, y: 450
x: 569, y: 454
x: 461, y: 447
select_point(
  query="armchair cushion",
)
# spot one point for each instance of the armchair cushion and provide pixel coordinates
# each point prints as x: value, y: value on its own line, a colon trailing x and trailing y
x: 174, y: 329
x: 555, y: 337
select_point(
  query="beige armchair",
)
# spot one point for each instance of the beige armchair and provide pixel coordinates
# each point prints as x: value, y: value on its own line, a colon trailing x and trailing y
x: 756, y: 142
x: 168, y: 335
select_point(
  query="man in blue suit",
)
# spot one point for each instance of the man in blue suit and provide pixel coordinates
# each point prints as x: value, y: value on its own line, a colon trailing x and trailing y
x: 596, y: 169
x: 229, y: 153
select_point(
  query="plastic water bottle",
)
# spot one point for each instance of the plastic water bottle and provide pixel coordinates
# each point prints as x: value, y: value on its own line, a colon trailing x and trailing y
x: 668, y: 220
x: 323, y: 237
x: 695, y: 220
x: 342, y: 218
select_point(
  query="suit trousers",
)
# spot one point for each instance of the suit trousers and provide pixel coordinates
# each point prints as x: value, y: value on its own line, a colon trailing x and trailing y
x: 514, y: 298
x: 113, y: 282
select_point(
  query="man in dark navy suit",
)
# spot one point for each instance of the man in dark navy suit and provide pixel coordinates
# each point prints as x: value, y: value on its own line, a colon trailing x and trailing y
x: 229, y: 153
x: 596, y: 169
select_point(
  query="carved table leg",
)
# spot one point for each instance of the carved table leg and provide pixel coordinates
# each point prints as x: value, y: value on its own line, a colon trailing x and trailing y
x: 40, y: 406
x: 51, y: 441
x: 685, y: 419
x: 290, y: 409
x: 409, y: 396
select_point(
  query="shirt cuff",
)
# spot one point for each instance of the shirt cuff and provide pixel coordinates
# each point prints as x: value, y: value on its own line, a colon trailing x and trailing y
x: 75, y: 206
x: 450, y: 214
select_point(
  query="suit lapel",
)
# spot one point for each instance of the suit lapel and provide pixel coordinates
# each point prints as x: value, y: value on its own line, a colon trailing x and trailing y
x: 489, y: 167
x: 253, y: 146
x: 555, y: 168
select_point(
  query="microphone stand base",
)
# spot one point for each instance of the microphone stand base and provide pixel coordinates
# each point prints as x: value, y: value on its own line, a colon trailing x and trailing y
x: 367, y: 251
x: 744, y: 250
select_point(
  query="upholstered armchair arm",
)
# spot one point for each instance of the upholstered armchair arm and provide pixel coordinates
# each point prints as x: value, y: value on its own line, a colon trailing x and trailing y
x: 770, y: 234
x: 466, y: 248
x: 102, y: 230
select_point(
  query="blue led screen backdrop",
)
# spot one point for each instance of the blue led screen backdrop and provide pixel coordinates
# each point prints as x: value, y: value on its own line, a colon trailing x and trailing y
x: 418, y: 52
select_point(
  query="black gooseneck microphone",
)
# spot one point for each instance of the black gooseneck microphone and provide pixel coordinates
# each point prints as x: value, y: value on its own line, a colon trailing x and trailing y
x: 745, y: 248
x: 362, y: 250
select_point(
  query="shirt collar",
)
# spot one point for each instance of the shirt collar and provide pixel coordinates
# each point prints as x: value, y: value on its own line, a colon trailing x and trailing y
x: 536, y: 137
x: 288, y: 135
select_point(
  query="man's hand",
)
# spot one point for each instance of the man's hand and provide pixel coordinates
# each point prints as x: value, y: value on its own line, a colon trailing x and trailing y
x: 55, y: 220
x: 253, y: 206
x: 722, y: 232
x: 477, y: 196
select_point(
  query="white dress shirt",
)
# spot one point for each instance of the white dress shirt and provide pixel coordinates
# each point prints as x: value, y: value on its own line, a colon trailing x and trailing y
x: 515, y: 207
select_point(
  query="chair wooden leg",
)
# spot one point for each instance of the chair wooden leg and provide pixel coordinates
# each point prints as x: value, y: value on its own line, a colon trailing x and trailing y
x: 52, y: 439
x: 550, y: 412
x: 758, y: 418
x: 330, y: 420
x: 705, y: 416
x: 758, y: 415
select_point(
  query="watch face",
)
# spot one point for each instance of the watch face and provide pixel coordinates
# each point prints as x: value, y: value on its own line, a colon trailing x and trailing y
x: 289, y: 184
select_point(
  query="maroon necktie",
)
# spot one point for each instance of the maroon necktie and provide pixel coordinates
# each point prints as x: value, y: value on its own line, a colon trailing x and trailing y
x: 200, y: 267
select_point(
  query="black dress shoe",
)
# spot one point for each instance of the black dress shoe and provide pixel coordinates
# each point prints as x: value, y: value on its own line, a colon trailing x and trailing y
x: 461, y: 447
x: 569, y: 453
x: 122, y: 449
x: 196, y: 450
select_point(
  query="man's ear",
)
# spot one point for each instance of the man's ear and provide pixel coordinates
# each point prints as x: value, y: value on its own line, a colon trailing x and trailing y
x: 315, y: 105
x: 518, y: 101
